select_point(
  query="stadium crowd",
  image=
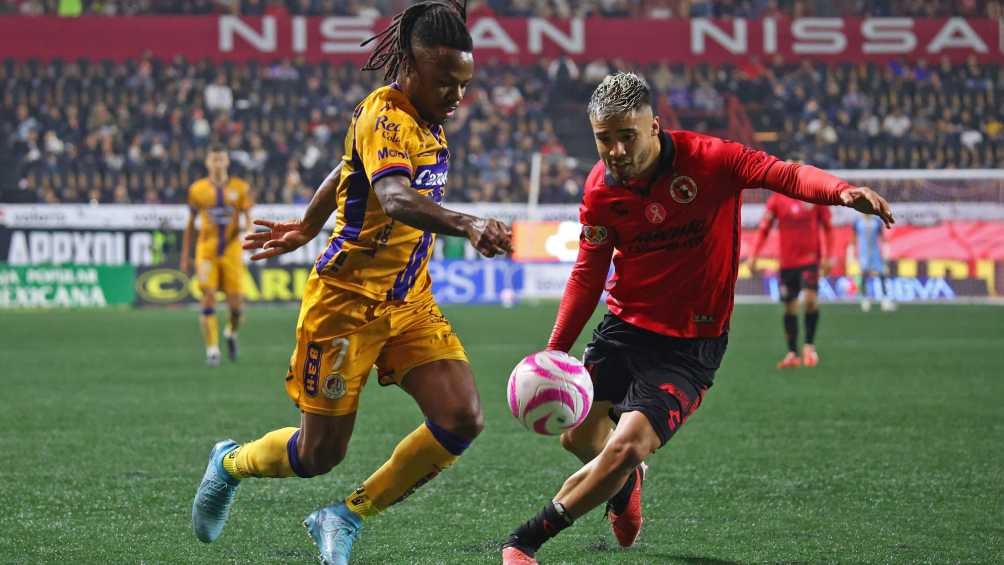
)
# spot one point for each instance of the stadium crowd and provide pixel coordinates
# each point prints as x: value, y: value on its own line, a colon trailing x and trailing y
x: 536, y: 8
x: 90, y: 131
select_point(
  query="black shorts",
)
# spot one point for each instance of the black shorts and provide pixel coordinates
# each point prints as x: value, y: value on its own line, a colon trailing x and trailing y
x: 795, y: 279
x: 660, y: 376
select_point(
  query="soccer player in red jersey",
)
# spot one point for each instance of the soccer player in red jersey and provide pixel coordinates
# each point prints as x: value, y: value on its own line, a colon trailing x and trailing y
x: 806, y: 241
x: 664, y: 206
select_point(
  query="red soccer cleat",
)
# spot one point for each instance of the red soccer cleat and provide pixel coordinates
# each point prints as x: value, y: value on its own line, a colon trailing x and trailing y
x: 515, y: 556
x: 627, y: 525
x: 790, y: 361
x: 809, y: 356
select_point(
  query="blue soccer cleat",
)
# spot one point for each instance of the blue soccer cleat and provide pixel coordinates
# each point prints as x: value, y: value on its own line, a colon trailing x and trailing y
x: 215, y: 495
x: 333, y: 530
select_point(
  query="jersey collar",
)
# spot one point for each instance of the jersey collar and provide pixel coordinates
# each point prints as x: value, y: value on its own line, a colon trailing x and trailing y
x: 667, y: 156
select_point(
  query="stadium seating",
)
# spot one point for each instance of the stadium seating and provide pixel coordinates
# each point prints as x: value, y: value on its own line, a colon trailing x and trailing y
x: 83, y: 131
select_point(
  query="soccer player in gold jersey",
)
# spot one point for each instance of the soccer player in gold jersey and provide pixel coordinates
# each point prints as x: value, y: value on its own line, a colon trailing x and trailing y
x: 218, y: 201
x: 368, y: 301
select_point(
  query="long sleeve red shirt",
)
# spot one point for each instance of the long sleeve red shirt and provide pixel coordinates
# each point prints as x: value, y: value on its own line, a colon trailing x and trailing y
x: 674, y: 242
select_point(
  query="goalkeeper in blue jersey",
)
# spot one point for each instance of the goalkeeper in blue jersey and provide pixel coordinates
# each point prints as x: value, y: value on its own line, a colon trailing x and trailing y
x: 866, y: 239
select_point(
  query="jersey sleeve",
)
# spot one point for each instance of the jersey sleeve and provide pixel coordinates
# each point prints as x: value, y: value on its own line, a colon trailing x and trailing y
x: 595, y: 235
x: 386, y: 139
x: 588, y: 276
x: 749, y: 167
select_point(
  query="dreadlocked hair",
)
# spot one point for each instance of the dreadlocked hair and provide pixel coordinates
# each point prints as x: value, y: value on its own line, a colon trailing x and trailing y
x: 619, y: 94
x: 434, y: 23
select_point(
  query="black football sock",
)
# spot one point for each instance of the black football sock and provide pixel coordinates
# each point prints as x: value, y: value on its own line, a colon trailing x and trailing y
x: 791, y: 331
x: 811, y: 320
x: 542, y: 527
x: 619, y: 501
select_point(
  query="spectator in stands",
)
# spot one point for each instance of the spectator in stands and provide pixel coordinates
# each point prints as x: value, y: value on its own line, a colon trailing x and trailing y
x: 102, y: 123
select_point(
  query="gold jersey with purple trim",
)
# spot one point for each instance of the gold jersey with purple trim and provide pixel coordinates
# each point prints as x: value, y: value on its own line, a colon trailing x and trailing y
x: 368, y: 252
x: 218, y: 208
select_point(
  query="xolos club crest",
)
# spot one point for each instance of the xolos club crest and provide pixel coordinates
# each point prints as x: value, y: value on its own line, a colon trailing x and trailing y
x: 683, y: 190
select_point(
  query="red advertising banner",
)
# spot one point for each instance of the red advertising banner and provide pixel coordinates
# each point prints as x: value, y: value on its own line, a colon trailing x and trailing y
x: 959, y: 240
x: 523, y: 40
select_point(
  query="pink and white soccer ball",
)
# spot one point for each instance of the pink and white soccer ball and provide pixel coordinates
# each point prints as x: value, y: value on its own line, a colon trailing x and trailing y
x: 550, y: 392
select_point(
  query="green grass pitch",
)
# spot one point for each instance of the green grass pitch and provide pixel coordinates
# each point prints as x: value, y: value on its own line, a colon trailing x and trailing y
x: 892, y: 451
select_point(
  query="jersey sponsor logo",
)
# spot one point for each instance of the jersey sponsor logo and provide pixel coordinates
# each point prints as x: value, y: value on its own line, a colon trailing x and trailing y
x: 619, y: 208
x: 220, y: 215
x: 431, y: 176
x: 595, y: 235
x: 388, y: 129
x: 683, y: 190
x: 655, y: 213
x: 388, y: 152
x: 671, y: 238
x: 312, y: 369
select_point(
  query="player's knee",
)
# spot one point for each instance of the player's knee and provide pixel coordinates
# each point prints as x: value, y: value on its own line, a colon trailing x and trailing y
x: 627, y: 454
x: 318, y: 459
x: 578, y: 443
x: 568, y: 442
x: 465, y: 421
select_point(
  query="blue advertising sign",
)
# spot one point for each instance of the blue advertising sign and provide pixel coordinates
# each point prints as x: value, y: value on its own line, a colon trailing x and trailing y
x: 459, y: 281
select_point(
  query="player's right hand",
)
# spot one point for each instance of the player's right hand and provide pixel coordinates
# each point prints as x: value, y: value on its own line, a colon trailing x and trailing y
x: 279, y: 238
x: 867, y: 201
x: 186, y: 266
x: 489, y: 236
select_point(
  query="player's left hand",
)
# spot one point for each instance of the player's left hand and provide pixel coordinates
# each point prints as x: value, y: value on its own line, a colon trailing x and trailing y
x: 867, y: 201
x: 279, y: 238
x: 825, y: 266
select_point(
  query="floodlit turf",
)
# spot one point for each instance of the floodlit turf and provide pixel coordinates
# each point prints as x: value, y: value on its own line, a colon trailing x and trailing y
x: 892, y: 450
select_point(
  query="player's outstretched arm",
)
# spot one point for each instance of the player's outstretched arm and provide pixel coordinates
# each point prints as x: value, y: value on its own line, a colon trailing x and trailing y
x: 403, y: 203
x: 811, y: 184
x: 582, y: 293
x: 283, y: 237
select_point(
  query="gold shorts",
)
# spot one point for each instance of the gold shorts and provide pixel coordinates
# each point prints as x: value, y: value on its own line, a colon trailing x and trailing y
x: 224, y: 271
x: 341, y: 335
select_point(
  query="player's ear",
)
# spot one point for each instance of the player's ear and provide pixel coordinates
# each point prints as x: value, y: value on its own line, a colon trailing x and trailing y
x: 656, y: 125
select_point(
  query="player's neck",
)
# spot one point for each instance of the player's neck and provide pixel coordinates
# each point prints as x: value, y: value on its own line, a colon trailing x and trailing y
x: 652, y: 168
x: 219, y: 180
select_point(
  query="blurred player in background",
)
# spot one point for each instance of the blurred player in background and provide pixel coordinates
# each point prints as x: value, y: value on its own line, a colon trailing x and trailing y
x: 805, y: 234
x: 866, y: 239
x: 664, y: 206
x: 368, y: 301
x: 219, y: 201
